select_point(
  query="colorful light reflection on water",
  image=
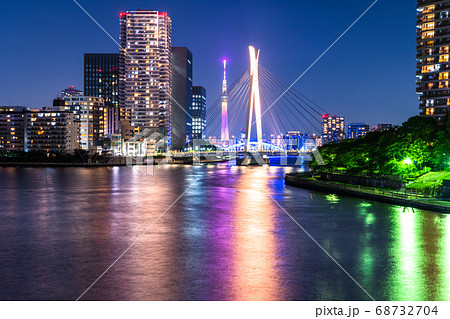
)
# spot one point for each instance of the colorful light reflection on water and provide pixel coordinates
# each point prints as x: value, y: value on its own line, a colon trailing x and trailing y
x: 225, y: 239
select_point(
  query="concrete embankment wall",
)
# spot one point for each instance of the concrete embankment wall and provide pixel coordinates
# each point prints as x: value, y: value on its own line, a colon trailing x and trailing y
x: 329, y: 188
x: 117, y: 161
x: 364, y: 181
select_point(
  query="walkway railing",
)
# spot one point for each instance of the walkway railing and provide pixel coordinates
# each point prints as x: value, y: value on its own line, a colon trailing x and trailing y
x: 411, y: 194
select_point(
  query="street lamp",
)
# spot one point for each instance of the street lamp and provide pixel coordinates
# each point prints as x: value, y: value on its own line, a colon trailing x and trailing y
x: 407, y: 161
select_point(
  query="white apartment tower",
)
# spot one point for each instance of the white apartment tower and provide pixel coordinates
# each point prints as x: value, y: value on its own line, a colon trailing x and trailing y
x: 145, y: 70
x: 92, y: 117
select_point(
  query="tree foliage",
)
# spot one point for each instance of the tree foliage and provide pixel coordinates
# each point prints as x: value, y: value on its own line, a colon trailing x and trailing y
x: 417, y: 145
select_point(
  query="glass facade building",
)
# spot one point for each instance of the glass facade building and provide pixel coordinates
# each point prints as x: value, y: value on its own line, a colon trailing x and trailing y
x: 198, y: 113
x: 101, y: 79
x: 182, y: 95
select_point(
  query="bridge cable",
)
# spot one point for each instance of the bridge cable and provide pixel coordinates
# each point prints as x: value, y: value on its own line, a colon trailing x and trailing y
x: 314, y: 127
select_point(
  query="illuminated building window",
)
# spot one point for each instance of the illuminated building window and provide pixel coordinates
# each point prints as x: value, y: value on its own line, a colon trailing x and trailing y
x: 428, y: 9
x: 428, y: 35
x: 443, y: 58
x: 429, y: 111
x: 428, y: 26
x: 443, y: 84
x: 443, y: 76
x: 428, y: 17
x: 444, y: 49
x: 428, y: 68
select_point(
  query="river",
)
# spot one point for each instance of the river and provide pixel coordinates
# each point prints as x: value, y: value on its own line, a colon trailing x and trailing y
x: 223, y: 233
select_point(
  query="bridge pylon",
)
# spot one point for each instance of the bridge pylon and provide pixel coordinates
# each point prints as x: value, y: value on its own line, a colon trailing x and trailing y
x: 254, y: 101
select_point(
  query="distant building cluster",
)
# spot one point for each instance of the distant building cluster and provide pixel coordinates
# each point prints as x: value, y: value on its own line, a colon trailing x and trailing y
x: 145, y: 88
x: 333, y: 129
x: 382, y: 127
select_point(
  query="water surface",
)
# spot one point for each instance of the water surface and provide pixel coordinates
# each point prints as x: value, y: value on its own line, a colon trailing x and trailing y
x: 225, y: 238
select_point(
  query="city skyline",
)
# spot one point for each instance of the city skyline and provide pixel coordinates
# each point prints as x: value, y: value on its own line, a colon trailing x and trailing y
x: 226, y: 151
x: 402, y: 97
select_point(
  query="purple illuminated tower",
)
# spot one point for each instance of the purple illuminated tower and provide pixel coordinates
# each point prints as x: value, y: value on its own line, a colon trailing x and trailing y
x: 224, y: 133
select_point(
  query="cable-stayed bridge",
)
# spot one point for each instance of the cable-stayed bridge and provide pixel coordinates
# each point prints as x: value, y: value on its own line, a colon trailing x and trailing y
x: 258, y: 99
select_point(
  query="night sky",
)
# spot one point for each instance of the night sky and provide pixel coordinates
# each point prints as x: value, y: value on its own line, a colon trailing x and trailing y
x: 368, y: 76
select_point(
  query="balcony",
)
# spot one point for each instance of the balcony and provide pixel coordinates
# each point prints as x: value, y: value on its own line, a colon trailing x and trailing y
x: 433, y: 94
x: 422, y: 3
x: 436, y: 42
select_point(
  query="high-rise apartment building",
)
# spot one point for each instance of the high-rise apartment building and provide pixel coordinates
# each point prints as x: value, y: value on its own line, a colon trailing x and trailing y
x: 101, y: 79
x: 92, y: 116
x: 182, y: 95
x: 433, y: 63
x: 197, y: 111
x: 332, y: 128
x: 357, y: 130
x: 52, y: 130
x: 145, y: 70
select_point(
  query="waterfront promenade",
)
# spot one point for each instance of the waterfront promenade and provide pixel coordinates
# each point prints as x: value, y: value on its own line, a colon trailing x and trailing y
x: 402, y: 198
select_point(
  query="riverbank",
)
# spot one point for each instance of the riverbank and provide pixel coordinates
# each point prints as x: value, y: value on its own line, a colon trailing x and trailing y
x: 117, y: 161
x: 381, y: 195
x: 31, y: 164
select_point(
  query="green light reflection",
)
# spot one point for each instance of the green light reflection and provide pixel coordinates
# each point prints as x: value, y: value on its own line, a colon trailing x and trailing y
x: 367, y: 255
x: 420, y: 255
x: 407, y: 278
x: 332, y: 198
x: 364, y: 205
x: 444, y: 259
